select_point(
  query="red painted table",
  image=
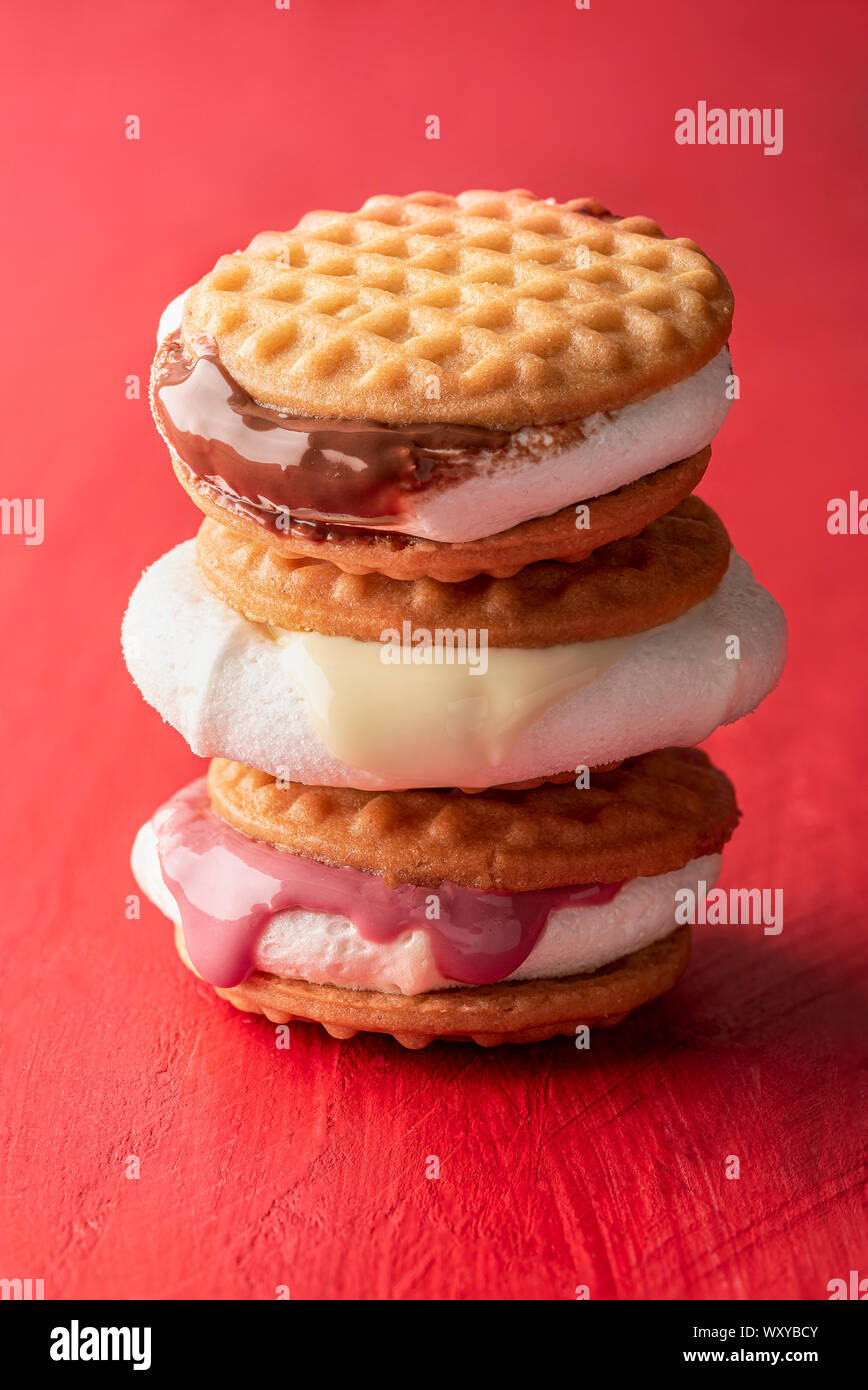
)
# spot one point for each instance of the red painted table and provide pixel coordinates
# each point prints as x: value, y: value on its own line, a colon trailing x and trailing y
x: 259, y: 1167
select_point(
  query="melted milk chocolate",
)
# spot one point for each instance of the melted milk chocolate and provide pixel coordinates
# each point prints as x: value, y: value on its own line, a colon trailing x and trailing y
x: 266, y: 462
x: 228, y: 887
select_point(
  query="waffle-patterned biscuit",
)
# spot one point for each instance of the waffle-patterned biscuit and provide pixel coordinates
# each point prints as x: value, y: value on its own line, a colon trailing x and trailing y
x: 650, y: 816
x: 526, y: 1012
x: 493, y: 309
x: 622, y: 588
x: 356, y: 551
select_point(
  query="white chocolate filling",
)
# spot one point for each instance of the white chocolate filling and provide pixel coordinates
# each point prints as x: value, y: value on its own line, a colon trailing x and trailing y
x: 439, y: 723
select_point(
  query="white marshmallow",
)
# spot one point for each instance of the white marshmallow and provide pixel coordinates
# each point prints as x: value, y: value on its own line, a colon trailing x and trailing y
x: 325, y: 948
x: 619, y: 447
x: 232, y: 691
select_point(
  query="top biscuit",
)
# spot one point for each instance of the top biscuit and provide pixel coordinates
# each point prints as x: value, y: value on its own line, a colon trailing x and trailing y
x: 493, y: 309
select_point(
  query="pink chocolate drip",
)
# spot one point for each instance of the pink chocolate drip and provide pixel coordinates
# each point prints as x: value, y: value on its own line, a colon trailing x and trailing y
x: 228, y: 887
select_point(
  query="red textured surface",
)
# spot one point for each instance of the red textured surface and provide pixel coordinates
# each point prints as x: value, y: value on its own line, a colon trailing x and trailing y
x: 261, y: 1168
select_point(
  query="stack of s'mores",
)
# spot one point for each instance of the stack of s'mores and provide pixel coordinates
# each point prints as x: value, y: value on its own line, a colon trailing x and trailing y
x: 454, y: 618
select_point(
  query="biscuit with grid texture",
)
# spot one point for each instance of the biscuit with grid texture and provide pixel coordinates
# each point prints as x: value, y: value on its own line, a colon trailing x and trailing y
x: 527, y: 1011
x: 650, y: 816
x: 357, y: 551
x: 492, y: 309
x: 622, y: 588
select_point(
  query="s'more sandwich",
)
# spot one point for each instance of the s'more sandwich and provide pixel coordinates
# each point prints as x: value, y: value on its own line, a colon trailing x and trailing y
x: 454, y: 618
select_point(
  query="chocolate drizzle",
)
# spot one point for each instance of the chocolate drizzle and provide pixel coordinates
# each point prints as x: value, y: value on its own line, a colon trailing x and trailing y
x: 266, y: 462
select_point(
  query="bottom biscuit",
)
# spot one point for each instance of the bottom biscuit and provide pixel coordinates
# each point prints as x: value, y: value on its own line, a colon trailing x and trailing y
x: 524, y: 1012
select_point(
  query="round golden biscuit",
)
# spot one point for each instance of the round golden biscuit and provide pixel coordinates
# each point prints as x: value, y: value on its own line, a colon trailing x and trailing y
x: 622, y: 588
x: 528, y: 1011
x: 355, y: 550
x: 649, y: 816
x: 491, y: 309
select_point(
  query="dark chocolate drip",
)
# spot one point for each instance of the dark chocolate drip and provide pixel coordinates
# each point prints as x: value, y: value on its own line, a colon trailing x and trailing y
x: 265, y: 460
x: 284, y: 523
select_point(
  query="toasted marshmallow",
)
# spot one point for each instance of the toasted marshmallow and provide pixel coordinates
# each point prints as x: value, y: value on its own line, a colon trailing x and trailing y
x: 538, y: 475
x: 328, y: 710
x: 325, y: 948
x: 538, y: 478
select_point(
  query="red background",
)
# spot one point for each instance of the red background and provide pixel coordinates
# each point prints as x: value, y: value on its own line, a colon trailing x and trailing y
x: 261, y: 1168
